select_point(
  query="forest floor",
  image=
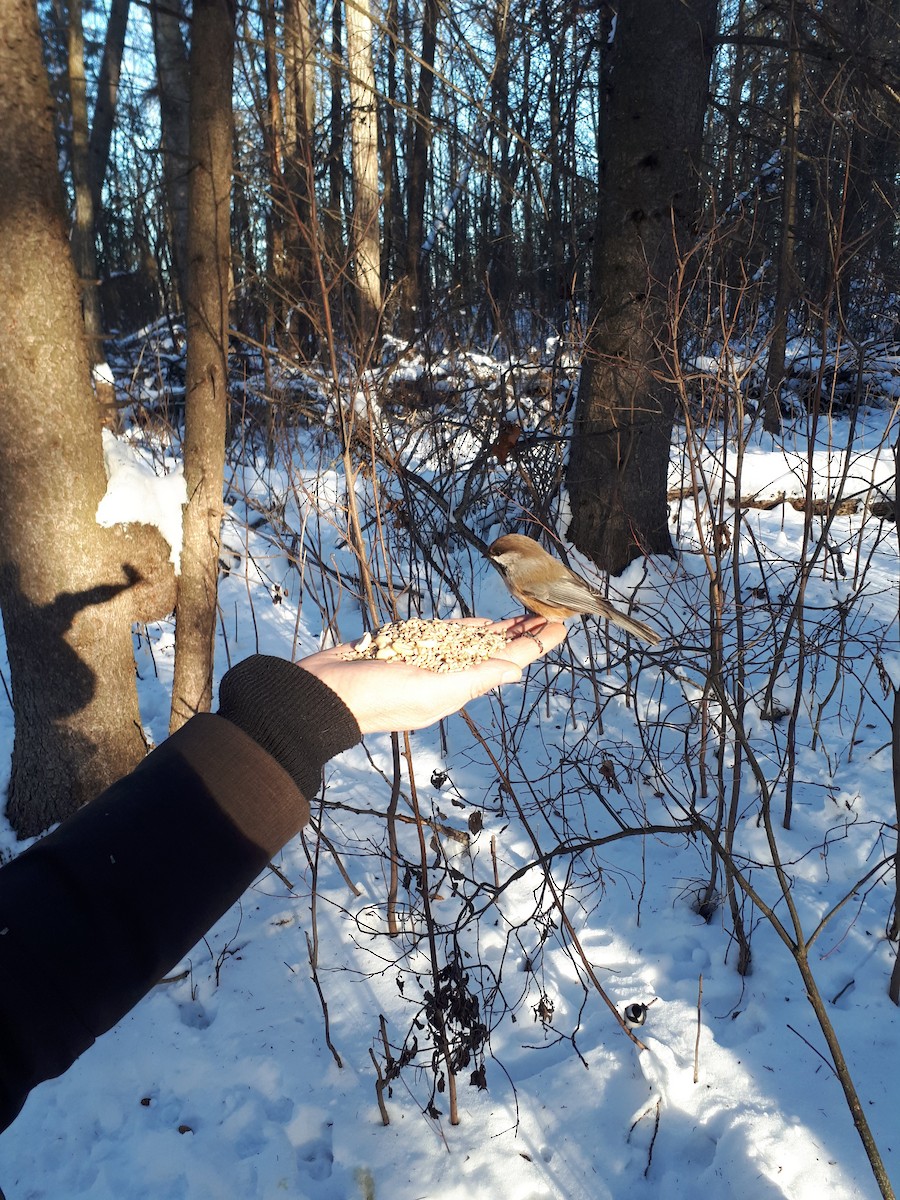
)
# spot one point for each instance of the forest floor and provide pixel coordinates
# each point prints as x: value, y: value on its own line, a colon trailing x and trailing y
x: 221, y: 1084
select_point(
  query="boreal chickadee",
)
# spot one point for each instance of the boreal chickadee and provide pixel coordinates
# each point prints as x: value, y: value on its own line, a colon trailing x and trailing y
x: 547, y: 587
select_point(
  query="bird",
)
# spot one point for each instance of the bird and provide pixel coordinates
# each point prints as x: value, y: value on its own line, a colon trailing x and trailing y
x: 548, y: 588
x: 635, y: 1015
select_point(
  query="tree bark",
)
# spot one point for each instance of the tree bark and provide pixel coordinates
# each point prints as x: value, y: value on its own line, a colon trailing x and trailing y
x: 785, y: 285
x: 502, y: 267
x: 650, y: 143
x: 868, y: 189
x: 366, y: 243
x: 333, y: 212
x: 273, y: 134
x: 302, y: 307
x: 392, y: 197
x: 107, y: 98
x: 172, y: 77
x: 68, y: 589
x: 84, y: 238
x: 413, y: 316
x: 209, y: 244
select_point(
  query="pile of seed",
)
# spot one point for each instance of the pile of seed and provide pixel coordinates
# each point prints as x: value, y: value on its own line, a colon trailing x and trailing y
x: 434, y: 645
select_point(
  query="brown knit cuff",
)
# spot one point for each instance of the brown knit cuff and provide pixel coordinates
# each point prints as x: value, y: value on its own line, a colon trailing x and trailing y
x: 248, y: 785
x: 290, y: 713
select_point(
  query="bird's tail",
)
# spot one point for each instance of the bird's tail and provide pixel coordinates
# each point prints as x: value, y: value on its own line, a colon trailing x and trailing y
x: 629, y: 624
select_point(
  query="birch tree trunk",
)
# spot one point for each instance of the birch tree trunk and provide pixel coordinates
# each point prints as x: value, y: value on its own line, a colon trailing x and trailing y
x: 365, y: 240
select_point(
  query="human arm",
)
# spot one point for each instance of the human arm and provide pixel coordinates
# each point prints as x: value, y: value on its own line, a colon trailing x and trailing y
x: 95, y: 913
x: 388, y: 696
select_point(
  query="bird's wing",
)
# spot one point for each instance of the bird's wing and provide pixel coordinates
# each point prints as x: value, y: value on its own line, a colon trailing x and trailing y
x: 568, y: 593
x: 575, y: 593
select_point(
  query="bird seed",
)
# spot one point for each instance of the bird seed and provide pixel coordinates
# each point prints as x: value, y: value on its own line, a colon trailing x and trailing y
x: 433, y: 645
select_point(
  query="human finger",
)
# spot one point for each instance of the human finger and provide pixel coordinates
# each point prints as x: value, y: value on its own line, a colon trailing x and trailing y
x: 532, y: 637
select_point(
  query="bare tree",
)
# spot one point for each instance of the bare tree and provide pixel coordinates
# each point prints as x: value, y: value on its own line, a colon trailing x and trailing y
x: 417, y: 171
x: 84, y: 236
x: 300, y: 298
x: 107, y: 98
x: 650, y: 145
x: 69, y: 590
x: 784, y: 288
x: 173, y: 87
x: 366, y: 245
x: 208, y: 284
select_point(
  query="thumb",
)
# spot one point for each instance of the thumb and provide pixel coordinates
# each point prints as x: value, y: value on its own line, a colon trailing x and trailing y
x: 493, y: 673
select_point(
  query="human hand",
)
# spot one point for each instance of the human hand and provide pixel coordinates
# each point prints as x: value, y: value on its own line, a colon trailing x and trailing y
x: 385, y: 696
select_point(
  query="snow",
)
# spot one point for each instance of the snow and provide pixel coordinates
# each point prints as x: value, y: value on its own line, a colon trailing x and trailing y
x: 137, y: 493
x: 220, y: 1084
x: 102, y: 373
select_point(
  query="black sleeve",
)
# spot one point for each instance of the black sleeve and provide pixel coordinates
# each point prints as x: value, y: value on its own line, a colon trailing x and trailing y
x: 95, y: 913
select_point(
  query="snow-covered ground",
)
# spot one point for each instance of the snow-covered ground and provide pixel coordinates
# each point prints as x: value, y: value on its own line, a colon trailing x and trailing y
x: 221, y: 1084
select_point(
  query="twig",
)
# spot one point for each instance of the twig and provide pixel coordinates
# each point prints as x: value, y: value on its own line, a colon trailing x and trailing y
x: 829, y: 1065
x: 440, y: 1024
x: 393, y: 851
x: 326, y: 841
x: 557, y: 899
x: 322, y: 1001
x: 379, y: 1089
x: 699, y: 1017
x: 281, y: 875
x: 6, y: 686
x: 653, y: 1138
x: 176, y: 978
x: 312, y: 943
x: 849, y: 984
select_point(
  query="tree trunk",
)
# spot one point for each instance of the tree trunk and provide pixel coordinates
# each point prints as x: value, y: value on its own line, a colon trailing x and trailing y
x: 68, y: 589
x: 392, y: 198
x: 413, y: 317
x: 650, y: 143
x: 333, y: 215
x: 502, y: 267
x: 893, y: 931
x: 300, y: 238
x: 211, y: 119
x: 365, y: 240
x: 84, y: 239
x: 869, y: 195
x: 784, y: 288
x: 555, y: 282
x: 107, y: 98
x: 273, y: 134
x: 174, y: 87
